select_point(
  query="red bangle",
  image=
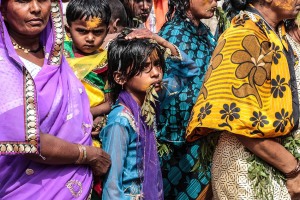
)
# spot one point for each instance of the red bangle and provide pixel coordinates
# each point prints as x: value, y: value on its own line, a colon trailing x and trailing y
x: 294, y: 172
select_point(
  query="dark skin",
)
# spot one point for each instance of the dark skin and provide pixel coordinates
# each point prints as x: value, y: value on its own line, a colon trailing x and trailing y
x: 56, y: 151
x: 294, y: 32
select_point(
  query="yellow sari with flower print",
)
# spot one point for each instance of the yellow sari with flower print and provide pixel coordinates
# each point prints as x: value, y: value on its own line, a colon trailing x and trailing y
x: 247, y: 88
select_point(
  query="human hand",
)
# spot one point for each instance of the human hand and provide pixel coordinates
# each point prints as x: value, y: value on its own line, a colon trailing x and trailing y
x: 98, y: 160
x: 147, y: 34
x: 98, y: 123
x: 293, y: 186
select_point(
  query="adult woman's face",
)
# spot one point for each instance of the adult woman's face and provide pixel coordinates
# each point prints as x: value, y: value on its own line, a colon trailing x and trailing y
x: 26, y: 17
x: 140, y: 8
x: 203, y: 9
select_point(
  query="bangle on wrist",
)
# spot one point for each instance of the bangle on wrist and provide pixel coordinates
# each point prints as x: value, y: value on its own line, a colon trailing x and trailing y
x: 294, y: 172
x: 82, y: 154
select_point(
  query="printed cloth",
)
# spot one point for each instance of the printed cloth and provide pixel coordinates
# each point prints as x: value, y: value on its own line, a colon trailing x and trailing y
x: 249, y: 88
x: 91, y: 70
x: 198, y: 43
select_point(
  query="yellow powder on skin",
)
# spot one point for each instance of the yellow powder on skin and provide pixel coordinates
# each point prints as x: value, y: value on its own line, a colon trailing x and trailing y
x: 286, y: 4
x: 93, y: 22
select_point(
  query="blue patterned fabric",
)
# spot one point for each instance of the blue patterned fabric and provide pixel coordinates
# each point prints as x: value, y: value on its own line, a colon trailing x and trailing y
x: 198, y: 43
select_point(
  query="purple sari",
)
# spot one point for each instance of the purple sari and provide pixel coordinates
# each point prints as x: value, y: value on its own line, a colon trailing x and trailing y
x: 54, y: 102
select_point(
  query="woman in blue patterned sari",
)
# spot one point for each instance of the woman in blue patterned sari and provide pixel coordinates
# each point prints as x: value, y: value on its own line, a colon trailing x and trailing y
x: 185, y: 30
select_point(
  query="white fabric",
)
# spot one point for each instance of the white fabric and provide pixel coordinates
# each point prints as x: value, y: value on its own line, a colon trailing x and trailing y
x: 31, y: 67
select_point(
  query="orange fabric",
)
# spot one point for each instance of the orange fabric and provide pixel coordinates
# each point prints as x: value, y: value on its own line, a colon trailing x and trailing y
x: 160, y: 10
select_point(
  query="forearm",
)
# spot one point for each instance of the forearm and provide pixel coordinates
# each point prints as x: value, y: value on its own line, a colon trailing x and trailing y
x: 55, y: 151
x: 101, y: 109
x: 161, y: 41
x: 270, y: 151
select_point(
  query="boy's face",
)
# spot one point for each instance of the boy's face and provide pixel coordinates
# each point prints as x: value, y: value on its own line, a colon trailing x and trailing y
x: 87, y: 35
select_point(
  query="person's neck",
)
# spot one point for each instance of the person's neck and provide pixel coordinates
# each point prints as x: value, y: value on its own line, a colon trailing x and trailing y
x: 32, y: 42
x: 79, y: 54
x: 191, y: 17
x: 295, y: 34
x: 139, y: 98
x: 270, y: 17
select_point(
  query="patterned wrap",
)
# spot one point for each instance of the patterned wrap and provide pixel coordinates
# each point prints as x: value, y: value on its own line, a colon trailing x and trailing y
x: 249, y: 89
x: 198, y: 43
x: 91, y: 70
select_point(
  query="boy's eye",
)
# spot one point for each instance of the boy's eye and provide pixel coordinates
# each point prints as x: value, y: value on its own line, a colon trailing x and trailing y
x: 22, y: 1
x: 98, y: 32
x: 82, y: 31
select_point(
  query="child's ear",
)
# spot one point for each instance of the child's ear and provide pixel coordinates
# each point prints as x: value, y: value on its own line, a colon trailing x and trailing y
x: 115, y: 25
x: 118, y: 77
x: 68, y: 33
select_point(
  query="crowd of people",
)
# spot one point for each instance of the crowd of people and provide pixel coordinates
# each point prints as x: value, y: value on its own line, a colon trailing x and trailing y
x: 138, y: 99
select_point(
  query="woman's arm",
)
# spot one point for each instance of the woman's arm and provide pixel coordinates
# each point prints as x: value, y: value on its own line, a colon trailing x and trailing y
x: 270, y: 151
x: 55, y: 151
x: 276, y: 155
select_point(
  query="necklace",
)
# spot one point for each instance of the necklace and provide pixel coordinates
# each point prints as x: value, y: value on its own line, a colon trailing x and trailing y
x: 17, y: 46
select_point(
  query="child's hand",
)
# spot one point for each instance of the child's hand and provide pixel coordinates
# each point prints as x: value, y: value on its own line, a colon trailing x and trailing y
x: 99, y: 123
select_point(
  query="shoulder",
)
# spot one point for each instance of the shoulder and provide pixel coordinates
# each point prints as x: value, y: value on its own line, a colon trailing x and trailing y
x: 244, y: 24
x: 173, y: 27
x: 121, y: 115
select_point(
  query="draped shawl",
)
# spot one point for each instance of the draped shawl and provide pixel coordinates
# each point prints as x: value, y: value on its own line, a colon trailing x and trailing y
x: 54, y: 102
x: 249, y: 87
x: 91, y: 70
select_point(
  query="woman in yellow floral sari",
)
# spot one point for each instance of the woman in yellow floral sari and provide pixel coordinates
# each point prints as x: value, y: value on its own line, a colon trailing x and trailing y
x: 250, y: 97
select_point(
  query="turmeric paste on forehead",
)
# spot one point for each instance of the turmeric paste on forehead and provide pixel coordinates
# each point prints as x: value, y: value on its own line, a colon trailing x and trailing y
x: 93, y: 22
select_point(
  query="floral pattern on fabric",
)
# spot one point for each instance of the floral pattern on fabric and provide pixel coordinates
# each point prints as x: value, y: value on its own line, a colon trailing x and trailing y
x: 253, y: 75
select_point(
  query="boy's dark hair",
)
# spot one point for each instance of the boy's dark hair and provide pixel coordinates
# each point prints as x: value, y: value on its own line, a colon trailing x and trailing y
x: 118, y: 11
x: 129, y: 58
x: 78, y: 9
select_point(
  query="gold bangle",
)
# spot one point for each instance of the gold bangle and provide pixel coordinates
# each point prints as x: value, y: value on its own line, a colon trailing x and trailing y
x: 82, y: 154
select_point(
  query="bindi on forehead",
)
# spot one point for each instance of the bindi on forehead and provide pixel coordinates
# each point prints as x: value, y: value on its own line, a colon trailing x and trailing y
x: 94, y: 22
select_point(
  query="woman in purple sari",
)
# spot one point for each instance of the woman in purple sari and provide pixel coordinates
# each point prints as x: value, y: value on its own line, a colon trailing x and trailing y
x: 45, y: 122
